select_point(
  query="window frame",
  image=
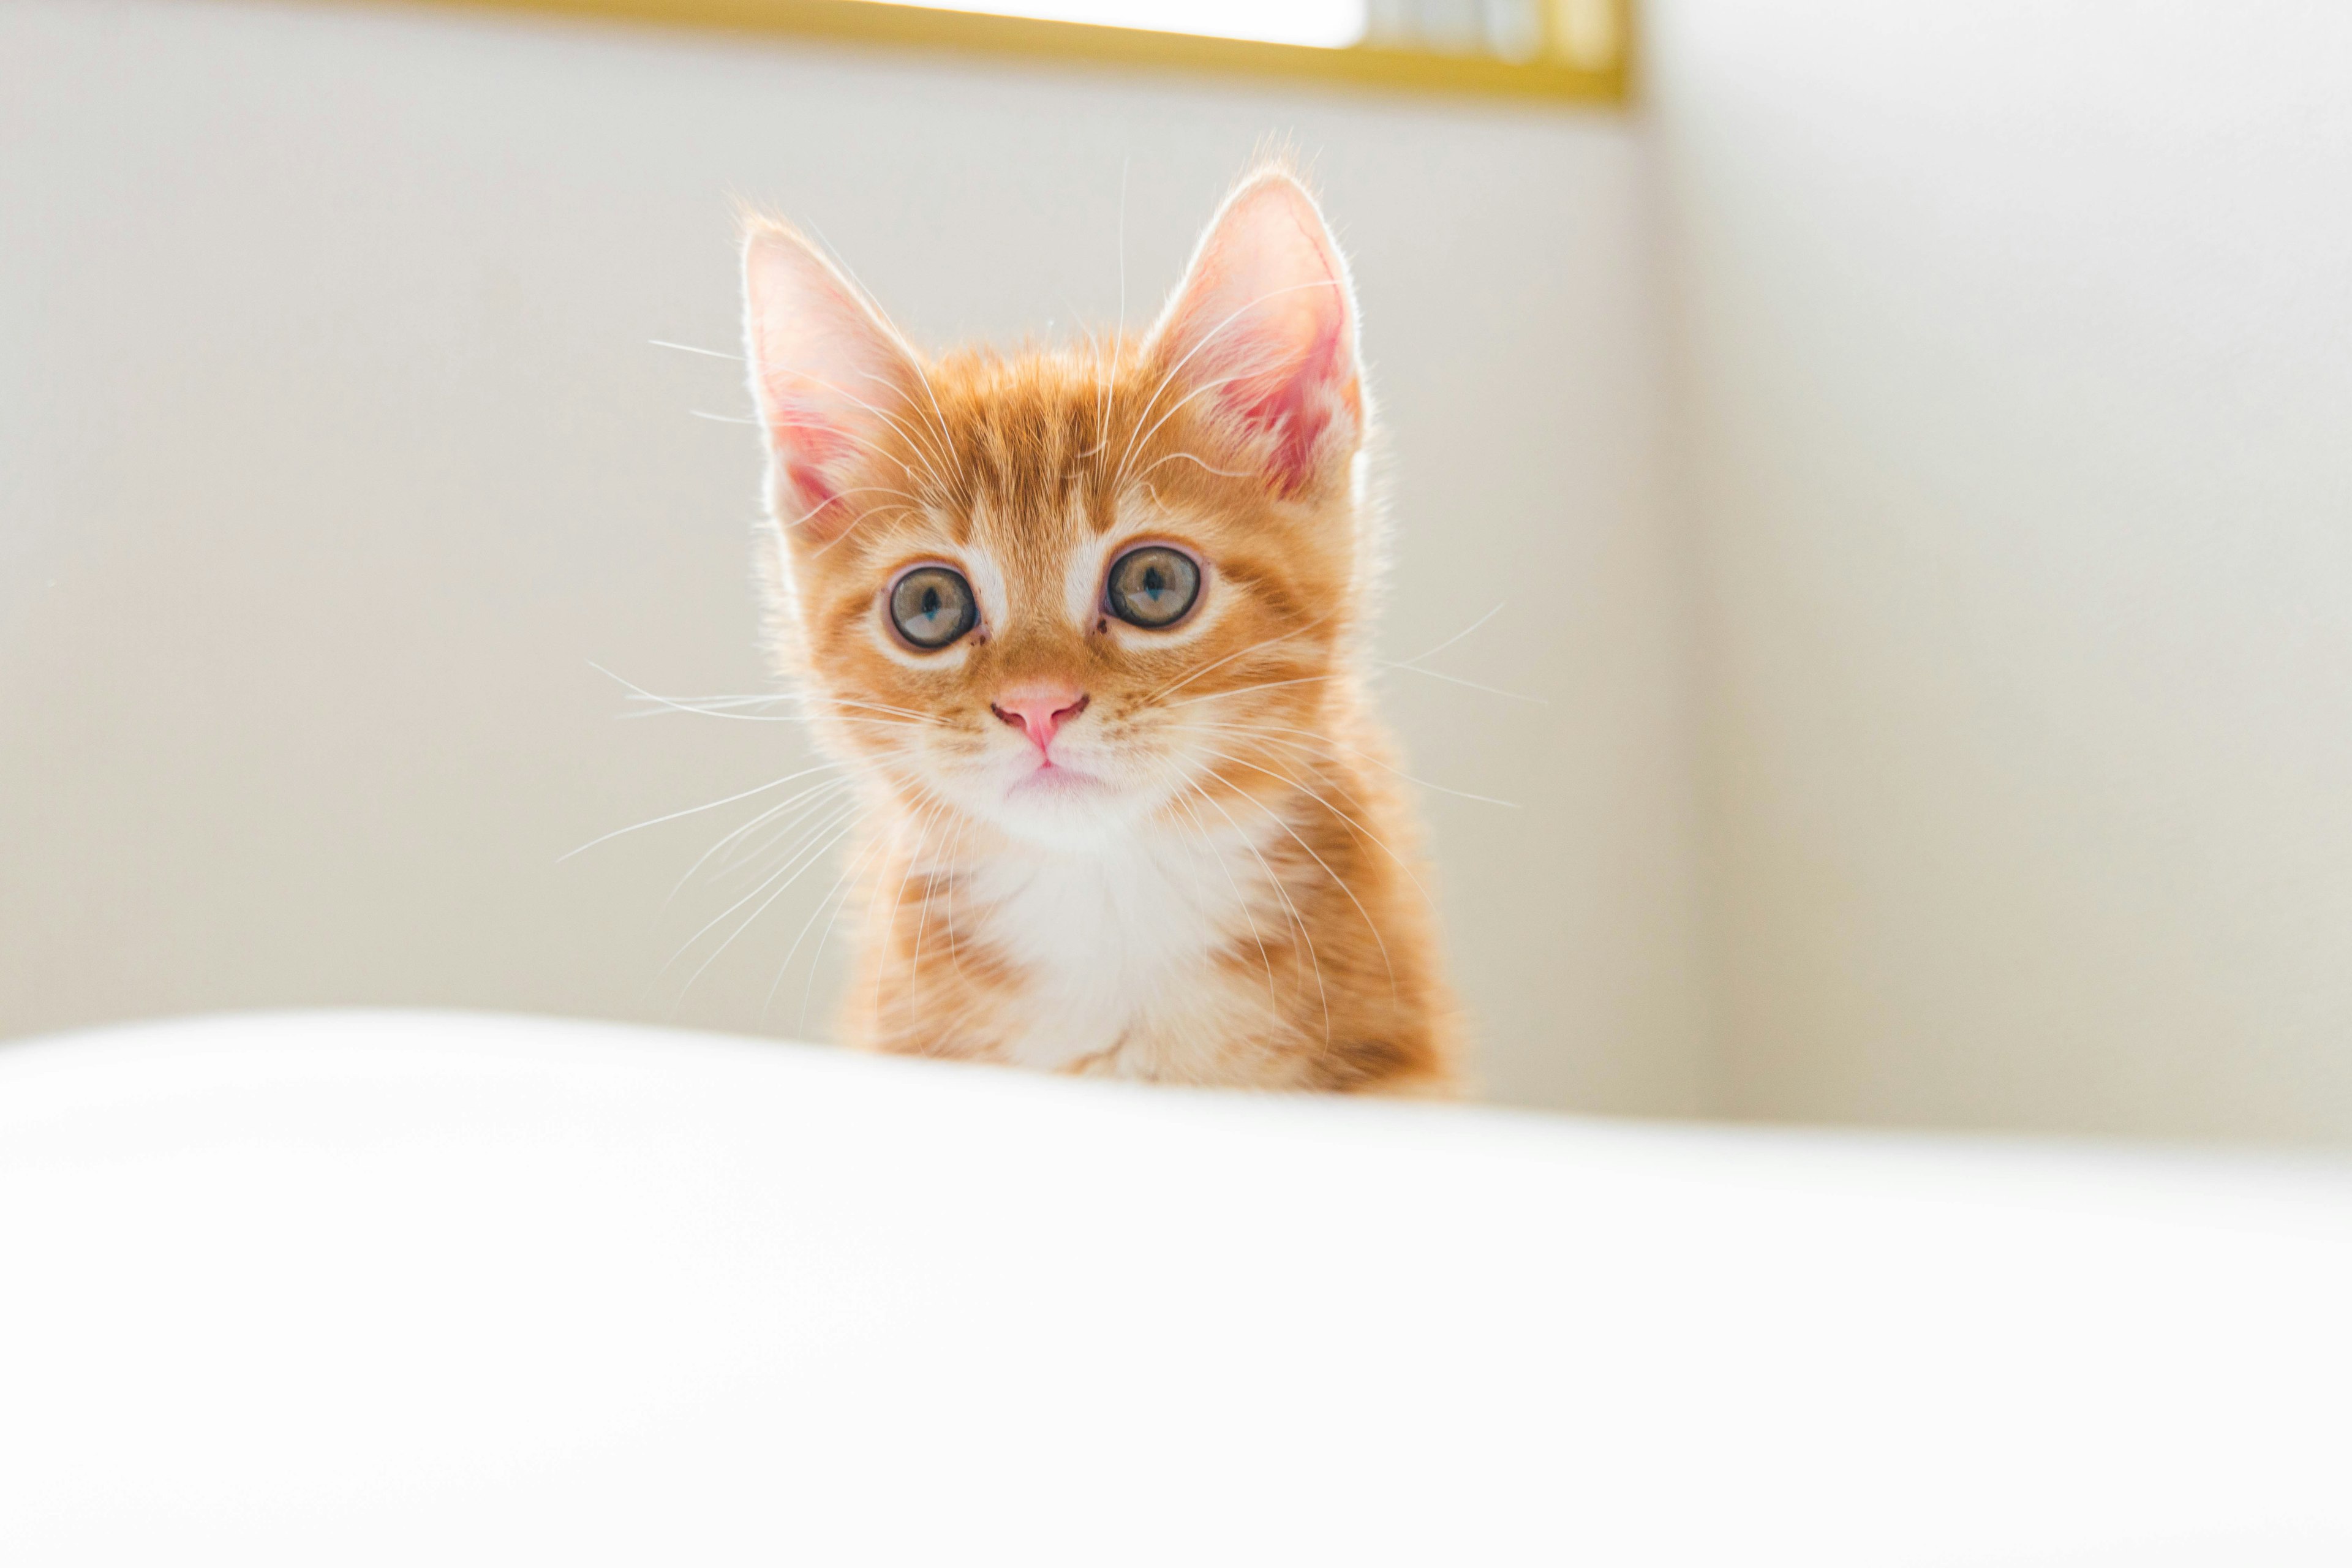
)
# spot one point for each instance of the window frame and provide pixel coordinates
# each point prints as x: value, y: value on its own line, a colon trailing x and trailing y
x: 1600, y: 82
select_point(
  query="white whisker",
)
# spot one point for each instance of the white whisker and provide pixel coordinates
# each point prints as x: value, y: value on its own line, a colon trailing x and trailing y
x: 1247, y: 727
x: 1240, y: 652
x: 841, y: 886
x: 890, y: 925
x: 691, y: 348
x: 1355, y: 828
x: 1209, y: 337
x: 1246, y: 690
x: 1457, y: 637
x: 1457, y: 680
x: 691, y: 810
x: 1274, y: 1009
x: 810, y: 802
x: 843, y: 815
x: 1282, y: 822
x: 1297, y: 920
x: 1188, y: 458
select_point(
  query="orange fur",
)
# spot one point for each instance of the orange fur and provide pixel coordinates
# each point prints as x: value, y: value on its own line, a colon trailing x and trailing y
x: 1221, y: 884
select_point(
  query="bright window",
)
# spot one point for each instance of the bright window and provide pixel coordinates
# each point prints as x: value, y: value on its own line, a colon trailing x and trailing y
x: 1327, y: 23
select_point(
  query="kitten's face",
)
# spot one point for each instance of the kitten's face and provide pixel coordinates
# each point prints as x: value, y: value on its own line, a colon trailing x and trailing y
x: 1060, y: 594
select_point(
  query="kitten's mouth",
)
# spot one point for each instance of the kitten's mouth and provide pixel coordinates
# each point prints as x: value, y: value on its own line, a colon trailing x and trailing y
x: 1050, y: 777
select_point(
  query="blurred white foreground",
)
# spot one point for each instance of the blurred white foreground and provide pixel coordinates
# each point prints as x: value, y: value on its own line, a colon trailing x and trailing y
x: 360, y: 1287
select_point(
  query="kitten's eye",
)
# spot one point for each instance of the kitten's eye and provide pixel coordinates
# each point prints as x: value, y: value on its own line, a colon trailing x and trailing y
x: 931, y: 607
x: 1152, y: 586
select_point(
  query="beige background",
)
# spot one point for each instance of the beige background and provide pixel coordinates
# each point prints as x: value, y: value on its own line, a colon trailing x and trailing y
x: 1913, y: 452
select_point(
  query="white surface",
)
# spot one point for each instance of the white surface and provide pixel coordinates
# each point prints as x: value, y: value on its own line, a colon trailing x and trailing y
x: 383, y: 1289
x: 333, y: 449
x: 2018, y: 352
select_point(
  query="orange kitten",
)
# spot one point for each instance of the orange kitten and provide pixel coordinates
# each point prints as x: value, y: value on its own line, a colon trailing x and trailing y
x: 1089, y: 627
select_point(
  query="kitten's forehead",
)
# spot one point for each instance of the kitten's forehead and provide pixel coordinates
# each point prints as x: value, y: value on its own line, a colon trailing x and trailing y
x: 1026, y: 439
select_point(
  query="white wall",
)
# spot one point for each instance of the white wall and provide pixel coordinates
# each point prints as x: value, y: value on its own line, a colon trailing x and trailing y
x: 2015, y: 341
x: 332, y: 451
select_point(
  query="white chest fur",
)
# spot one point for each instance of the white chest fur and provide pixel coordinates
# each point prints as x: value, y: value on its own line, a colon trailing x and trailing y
x: 1111, y: 940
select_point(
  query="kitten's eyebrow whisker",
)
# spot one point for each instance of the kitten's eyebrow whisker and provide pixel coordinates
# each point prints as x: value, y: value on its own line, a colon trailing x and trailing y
x: 922, y: 447
x: 1186, y: 456
x: 924, y: 453
x: 914, y: 503
x: 945, y: 451
x: 1172, y: 410
x: 859, y: 521
x: 872, y: 448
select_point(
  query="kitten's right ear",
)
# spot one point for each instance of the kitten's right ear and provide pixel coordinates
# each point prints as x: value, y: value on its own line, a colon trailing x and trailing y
x: 828, y: 374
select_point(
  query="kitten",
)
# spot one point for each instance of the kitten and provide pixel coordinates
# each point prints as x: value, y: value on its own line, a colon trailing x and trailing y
x: 1089, y: 628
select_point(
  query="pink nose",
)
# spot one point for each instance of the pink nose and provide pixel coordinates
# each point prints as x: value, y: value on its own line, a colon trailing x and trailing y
x: 1039, y: 711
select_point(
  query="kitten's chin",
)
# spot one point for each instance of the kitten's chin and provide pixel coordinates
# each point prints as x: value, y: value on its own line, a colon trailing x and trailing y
x: 1061, y: 808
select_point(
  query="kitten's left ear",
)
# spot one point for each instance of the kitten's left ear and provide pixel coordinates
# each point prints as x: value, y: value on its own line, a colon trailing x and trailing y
x: 1264, y: 330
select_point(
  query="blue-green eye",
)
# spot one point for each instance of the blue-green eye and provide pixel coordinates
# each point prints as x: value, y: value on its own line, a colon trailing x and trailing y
x: 1152, y: 586
x: 931, y: 607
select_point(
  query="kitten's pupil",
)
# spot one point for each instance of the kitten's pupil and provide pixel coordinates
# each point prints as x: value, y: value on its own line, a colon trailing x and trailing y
x: 931, y: 601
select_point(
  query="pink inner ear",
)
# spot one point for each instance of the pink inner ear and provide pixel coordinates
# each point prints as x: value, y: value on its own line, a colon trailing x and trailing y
x: 1297, y: 409
x: 809, y: 483
x: 805, y: 444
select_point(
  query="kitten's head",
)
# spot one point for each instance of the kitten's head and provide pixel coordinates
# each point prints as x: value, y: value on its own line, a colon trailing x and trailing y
x: 1065, y: 590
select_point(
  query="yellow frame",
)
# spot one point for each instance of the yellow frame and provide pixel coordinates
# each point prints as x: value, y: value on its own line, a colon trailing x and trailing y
x: 1601, y: 81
